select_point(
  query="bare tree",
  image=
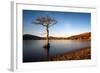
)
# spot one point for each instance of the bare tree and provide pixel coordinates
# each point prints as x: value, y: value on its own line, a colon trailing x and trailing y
x: 45, y: 21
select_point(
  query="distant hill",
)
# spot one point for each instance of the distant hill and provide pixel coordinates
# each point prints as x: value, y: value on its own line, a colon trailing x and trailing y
x: 31, y: 37
x: 83, y: 36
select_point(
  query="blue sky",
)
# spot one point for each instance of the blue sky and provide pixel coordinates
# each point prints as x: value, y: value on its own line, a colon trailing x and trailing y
x: 68, y: 23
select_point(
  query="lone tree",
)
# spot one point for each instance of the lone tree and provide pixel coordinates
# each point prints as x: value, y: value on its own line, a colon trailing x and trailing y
x: 45, y: 21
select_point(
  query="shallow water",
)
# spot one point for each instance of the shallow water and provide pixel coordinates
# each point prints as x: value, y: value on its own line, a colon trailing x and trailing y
x: 33, y: 50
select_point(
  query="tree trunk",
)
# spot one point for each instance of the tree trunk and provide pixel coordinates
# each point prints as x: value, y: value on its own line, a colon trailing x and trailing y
x: 47, y: 36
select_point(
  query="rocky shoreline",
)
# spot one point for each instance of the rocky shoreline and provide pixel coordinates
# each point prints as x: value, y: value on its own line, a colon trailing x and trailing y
x: 80, y: 54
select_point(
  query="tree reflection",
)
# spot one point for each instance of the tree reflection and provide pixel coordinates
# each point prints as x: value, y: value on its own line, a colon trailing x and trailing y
x: 47, y: 49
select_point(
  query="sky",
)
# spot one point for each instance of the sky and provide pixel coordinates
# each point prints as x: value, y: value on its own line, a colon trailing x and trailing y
x: 68, y: 23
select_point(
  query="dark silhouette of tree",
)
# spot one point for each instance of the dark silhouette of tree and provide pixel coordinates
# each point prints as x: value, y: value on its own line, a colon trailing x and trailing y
x: 45, y: 21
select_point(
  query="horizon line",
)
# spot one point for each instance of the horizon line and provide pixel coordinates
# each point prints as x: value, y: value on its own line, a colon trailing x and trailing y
x: 58, y: 36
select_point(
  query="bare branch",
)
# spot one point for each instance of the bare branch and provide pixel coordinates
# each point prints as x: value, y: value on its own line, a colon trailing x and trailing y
x: 46, y: 21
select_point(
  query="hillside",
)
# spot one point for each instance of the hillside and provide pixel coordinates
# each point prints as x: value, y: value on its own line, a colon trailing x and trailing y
x: 83, y: 36
x: 31, y: 37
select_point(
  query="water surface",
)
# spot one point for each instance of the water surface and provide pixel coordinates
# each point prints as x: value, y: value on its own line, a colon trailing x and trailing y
x: 33, y: 50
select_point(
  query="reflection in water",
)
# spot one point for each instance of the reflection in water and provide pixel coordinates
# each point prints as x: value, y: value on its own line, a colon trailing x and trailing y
x: 36, y: 50
x: 46, y: 49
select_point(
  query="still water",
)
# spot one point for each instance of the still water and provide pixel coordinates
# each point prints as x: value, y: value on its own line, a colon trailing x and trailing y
x: 33, y: 50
